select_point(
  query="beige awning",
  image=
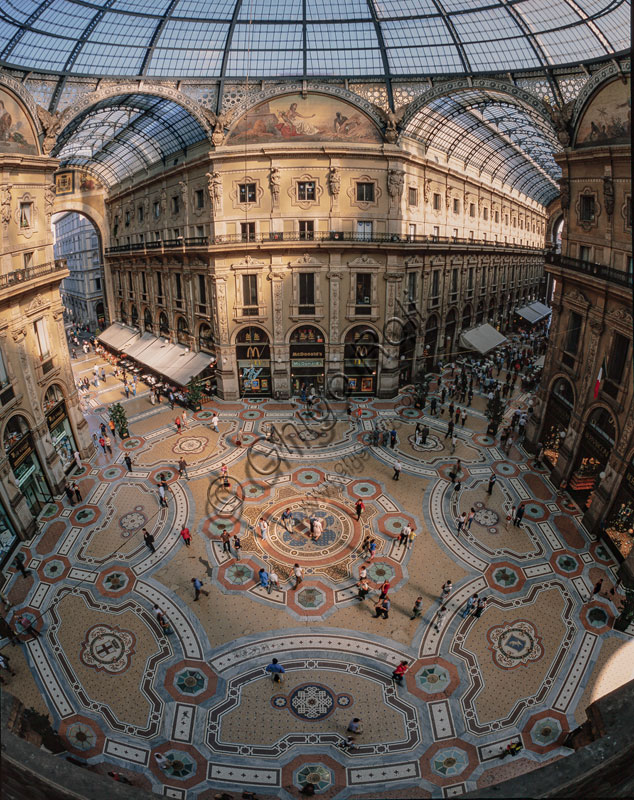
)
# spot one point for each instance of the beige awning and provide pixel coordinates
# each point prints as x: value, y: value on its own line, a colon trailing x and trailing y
x: 483, y: 339
x: 533, y: 312
x: 136, y: 347
x: 118, y: 336
x: 187, y: 366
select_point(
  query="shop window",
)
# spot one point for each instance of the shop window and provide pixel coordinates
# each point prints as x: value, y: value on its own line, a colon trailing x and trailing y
x: 365, y: 192
x: 436, y: 201
x: 363, y: 292
x: 41, y: 332
x: 563, y: 391
x: 134, y: 316
x: 247, y: 192
x: 205, y: 339
x: 52, y: 397
x: 456, y: 206
x: 199, y: 198
x: 306, y: 190
x: 573, y: 333
x: 586, y: 208
x: 250, y: 295
x: 16, y: 429
x: 247, y: 231
x: 306, y: 229
x: 412, y: 196
x: 306, y: 292
x: 147, y: 321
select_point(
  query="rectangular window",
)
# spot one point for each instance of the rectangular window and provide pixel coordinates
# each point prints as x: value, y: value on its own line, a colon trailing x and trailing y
x: 472, y: 209
x: 471, y: 235
x: 412, y: 196
x: 456, y: 206
x: 199, y: 198
x: 470, y: 285
x: 618, y: 358
x: 247, y: 193
x: 584, y: 253
x: 485, y: 213
x: 411, y: 287
x: 141, y: 238
x: 250, y: 294
x: 140, y: 213
x: 157, y: 209
x: 306, y: 229
x: 202, y: 290
x: 412, y: 231
x: 365, y: 192
x: 306, y: 292
x: 143, y: 283
x: 454, y: 281
x: 179, y: 286
x: 4, y: 378
x: 130, y: 283
x: 176, y: 204
x: 436, y: 201
x: 26, y: 215
x: 573, y: 333
x: 159, y: 287
x: 364, y: 230
x: 306, y: 190
x: 98, y: 284
x: 363, y: 294
x: 157, y: 236
x: 176, y: 232
x: 506, y: 219
x: 497, y: 216
x: 127, y: 219
x: 200, y: 231
x: 28, y: 259
x: 586, y: 207
x: 435, y: 231
x: 435, y: 284
x: 455, y: 233
x: 247, y: 230
x: 42, y: 338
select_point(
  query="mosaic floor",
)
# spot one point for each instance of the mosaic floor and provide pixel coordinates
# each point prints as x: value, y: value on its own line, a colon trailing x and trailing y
x: 120, y: 691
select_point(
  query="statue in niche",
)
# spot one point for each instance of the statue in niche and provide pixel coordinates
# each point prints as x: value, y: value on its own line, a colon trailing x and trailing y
x: 608, y: 195
x: 275, y: 179
x: 214, y: 188
x: 564, y: 189
x: 163, y: 200
x: 183, y: 189
x: 395, y: 182
x: 334, y: 181
x: 5, y: 204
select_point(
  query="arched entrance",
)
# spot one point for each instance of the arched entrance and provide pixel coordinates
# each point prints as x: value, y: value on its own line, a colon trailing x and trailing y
x: 480, y: 313
x: 123, y: 314
x: 361, y: 360
x: 307, y: 354
x: 19, y: 446
x: 182, y: 331
x: 431, y: 341
x: 450, y: 333
x: 134, y: 316
x: 206, y: 339
x: 406, y: 354
x: 147, y: 321
x: 253, y: 353
x: 595, y: 447
x: 467, y: 313
x: 164, y: 326
x: 556, y: 419
x: 100, y: 311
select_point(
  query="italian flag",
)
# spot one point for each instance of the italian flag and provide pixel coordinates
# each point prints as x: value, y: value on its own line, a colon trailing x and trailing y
x: 597, y: 385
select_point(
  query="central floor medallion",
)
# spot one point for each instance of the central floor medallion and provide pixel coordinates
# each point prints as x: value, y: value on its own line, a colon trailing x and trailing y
x: 311, y: 701
x: 107, y: 648
x: 514, y: 644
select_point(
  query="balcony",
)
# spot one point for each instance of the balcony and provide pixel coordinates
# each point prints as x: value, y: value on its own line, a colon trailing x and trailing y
x: 319, y: 236
x: 56, y: 269
x: 600, y: 271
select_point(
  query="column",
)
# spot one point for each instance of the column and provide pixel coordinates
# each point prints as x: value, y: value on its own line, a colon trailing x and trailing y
x: 226, y: 374
x: 280, y: 373
x: 387, y: 384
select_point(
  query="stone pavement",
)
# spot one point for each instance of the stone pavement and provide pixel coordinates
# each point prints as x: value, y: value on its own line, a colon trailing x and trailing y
x: 119, y: 690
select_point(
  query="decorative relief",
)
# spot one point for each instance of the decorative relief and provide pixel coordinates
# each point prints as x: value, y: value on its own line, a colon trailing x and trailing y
x: 588, y: 224
x: 392, y: 120
x: 51, y: 125
x: 561, y: 118
x: 395, y: 183
x: 218, y: 123
x: 49, y: 199
x: 275, y: 179
x: 5, y: 206
x: 608, y: 195
x: 182, y: 185
x: 214, y: 189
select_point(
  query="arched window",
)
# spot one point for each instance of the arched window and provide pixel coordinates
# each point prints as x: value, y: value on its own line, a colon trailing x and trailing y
x: 563, y: 391
x: 466, y: 316
x: 205, y: 339
x: 147, y: 321
x: 53, y: 396
x: 17, y: 427
x: 603, y: 423
x: 164, y: 327
x: 134, y: 316
x: 182, y: 331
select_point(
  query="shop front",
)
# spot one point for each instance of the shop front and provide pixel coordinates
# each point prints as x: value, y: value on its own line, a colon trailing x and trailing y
x: 361, y: 361
x: 8, y: 536
x: 595, y: 447
x: 253, y: 354
x: 556, y: 420
x: 307, y: 354
x: 406, y: 353
x: 620, y: 521
x: 20, y: 449
x: 59, y: 426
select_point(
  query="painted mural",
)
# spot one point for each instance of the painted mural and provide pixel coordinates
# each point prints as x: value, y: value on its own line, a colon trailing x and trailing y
x: 293, y: 118
x: 16, y: 132
x: 607, y: 118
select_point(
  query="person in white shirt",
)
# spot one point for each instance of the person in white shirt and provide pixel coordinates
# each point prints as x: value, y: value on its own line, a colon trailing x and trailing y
x: 298, y: 573
x: 317, y: 529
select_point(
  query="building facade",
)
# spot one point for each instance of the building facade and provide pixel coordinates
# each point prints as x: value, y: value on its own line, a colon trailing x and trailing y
x: 585, y: 407
x: 77, y: 242
x: 40, y: 422
x: 351, y: 266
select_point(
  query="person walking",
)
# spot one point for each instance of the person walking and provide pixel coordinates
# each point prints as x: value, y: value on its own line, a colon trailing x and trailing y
x: 163, y: 762
x: 263, y: 577
x: 182, y: 468
x: 77, y: 458
x: 479, y: 609
x: 264, y: 526
x: 298, y: 574
x: 464, y: 416
x: 237, y: 546
x: 492, y: 481
x: 418, y: 607
x: 519, y: 515
x: 108, y: 442
x: 226, y: 541
x: 75, y: 487
x: 162, y: 497
x: 385, y: 588
x: 177, y: 422
x: 510, y: 516
x: 27, y: 626
x: 359, y: 508
x: 6, y: 665
x: 184, y: 419
x: 372, y: 549
x: 198, y: 588
x: 410, y: 538
x: 354, y: 726
x: 128, y: 462
x: 460, y: 523
x: 287, y: 518
x: 393, y: 438
x: 382, y: 608
x: 186, y: 536
x: 471, y: 602
x: 454, y: 444
x: 148, y: 538
x: 70, y: 494
x: 439, y: 617
x: 214, y: 422
x: 363, y: 572
x: 171, y: 398
x: 18, y: 563
x: 397, y: 470
x: 274, y: 580
x: 446, y: 590
x: 275, y: 670
x: 318, y: 529
x: 126, y: 391
x: 113, y: 428
x: 403, y: 537
x: 399, y: 672
x: 364, y: 589
x: 470, y: 518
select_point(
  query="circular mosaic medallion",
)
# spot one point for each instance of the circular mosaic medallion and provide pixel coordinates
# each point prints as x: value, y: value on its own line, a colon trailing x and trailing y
x: 239, y: 574
x: 190, y: 682
x: 81, y: 737
x: 53, y: 568
x: 433, y: 679
x: 190, y: 445
x: 115, y: 581
x: 432, y: 443
x: 317, y: 774
x: 486, y: 517
x: 311, y: 701
x: 181, y: 765
x: 132, y: 521
x: 514, y: 644
x: 451, y: 761
x: 546, y: 731
x: 107, y: 648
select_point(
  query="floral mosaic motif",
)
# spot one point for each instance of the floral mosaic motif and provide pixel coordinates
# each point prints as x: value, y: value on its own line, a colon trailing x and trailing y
x: 486, y: 517
x: 86, y: 515
x: 307, y: 476
x: 310, y: 598
x: 505, y: 576
x: 107, y: 648
x: 239, y: 574
x: 311, y: 701
x: 190, y: 681
x: 451, y: 761
x: 254, y: 490
x: 190, y: 445
x: 53, y: 569
x: 111, y: 472
x: 515, y: 644
x: 317, y: 774
x: 115, y: 581
x: 380, y: 572
x: 49, y: 511
x: 546, y: 731
x: 568, y: 563
x: 433, y: 679
x: 132, y: 521
x: 432, y: 443
x: 597, y: 617
x: 81, y: 737
x: 130, y: 444
x: 394, y: 524
x: 299, y: 535
x: 181, y: 765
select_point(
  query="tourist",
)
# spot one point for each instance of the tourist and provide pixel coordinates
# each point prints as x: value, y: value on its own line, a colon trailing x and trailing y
x: 263, y: 577
x: 264, y: 526
x: 397, y: 470
x: 471, y: 602
x: 148, y: 538
x: 225, y: 536
x: 418, y: 607
x: 460, y: 522
x: 382, y: 608
x: 70, y: 494
x: 184, y: 419
x: 393, y: 438
x: 274, y: 580
x: 482, y: 601
x: 492, y: 481
x: 214, y: 422
x: 364, y: 589
x: 162, y: 496
x: 102, y: 443
x: 162, y: 761
x: 298, y: 574
x: 439, y: 617
x: 186, y: 536
x: 470, y: 518
x: 77, y: 458
x: 75, y: 488
x: 363, y: 572
x: 372, y: 549
x: 385, y: 588
x: 198, y: 588
x: 287, y: 518
x: 128, y: 462
x: 359, y: 508
x: 446, y: 590
x: 177, y: 422
x: 403, y: 537
x: 398, y: 673
x: 276, y: 670
x: 519, y: 514
x: 318, y: 529
x: 237, y: 546
x: 113, y: 429
x: 18, y: 563
x: 412, y: 536
x: 108, y: 442
x: 510, y: 516
x: 5, y: 664
x: 454, y: 443
x: 27, y: 626
x: 354, y: 726
x: 182, y: 468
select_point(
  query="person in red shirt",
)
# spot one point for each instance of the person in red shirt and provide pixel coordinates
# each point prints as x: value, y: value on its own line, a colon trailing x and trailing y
x: 359, y: 507
x: 186, y: 536
x: 399, y: 672
x: 385, y: 588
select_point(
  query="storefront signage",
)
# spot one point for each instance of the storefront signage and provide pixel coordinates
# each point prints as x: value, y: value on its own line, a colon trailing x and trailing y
x: 311, y: 352
x: 20, y: 451
x: 593, y: 443
x: 57, y: 415
x: 307, y: 362
x: 557, y: 411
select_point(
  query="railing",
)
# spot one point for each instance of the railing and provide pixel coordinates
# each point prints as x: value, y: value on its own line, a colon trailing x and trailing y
x: 30, y: 273
x: 600, y: 271
x: 319, y: 236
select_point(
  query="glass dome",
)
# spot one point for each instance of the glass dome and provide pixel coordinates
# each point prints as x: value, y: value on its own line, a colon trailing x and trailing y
x: 296, y: 38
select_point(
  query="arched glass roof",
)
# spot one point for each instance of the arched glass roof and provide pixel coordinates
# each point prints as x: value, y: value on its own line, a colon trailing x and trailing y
x: 273, y: 38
